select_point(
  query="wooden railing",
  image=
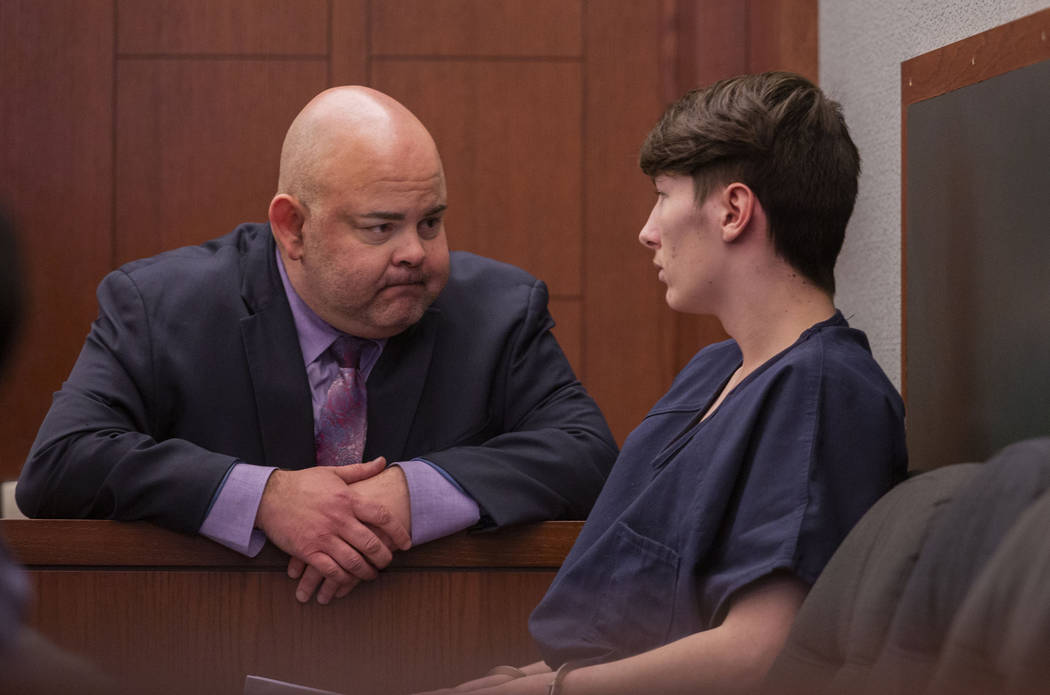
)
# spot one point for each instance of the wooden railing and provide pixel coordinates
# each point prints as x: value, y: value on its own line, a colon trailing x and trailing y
x: 167, y: 613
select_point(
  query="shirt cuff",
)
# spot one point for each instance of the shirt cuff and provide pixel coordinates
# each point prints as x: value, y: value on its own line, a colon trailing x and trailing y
x: 438, y: 507
x: 231, y: 519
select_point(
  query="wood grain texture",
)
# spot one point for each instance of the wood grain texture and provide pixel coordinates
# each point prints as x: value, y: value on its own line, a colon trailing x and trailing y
x: 1013, y: 45
x: 348, y: 60
x: 56, y: 65
x: 782, y: 35
x: 628, y: 329
x: 198, y: 146
x: 277, y: 27
x: 202, y: 631
x: 719, y: 39
x: 712, y: 42
x: 477, y: 28
x: 167, y: 613
x: 511, y: 156
x: 50, y: 543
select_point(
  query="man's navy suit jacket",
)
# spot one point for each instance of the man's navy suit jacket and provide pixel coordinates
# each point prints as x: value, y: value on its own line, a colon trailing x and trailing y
x: 194, y: 363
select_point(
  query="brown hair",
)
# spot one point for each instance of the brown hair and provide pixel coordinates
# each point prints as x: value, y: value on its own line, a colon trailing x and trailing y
x: 778, y: 134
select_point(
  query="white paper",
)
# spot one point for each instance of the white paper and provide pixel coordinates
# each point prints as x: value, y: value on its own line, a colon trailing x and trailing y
x: 257, y: 685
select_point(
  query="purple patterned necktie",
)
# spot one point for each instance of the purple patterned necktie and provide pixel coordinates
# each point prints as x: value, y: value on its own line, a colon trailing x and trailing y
x: 344, y: 416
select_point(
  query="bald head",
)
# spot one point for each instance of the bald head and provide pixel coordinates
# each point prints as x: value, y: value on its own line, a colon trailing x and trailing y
x: 359, y: 214
x: 347, y: 126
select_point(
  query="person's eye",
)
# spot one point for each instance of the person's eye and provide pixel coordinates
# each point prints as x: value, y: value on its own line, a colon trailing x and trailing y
x: 430, y: 227
x: 375, y: 233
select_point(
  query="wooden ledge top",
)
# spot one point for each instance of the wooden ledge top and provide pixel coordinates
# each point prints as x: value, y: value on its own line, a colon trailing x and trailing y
x: 1001, y: 49
x: 62, y: 543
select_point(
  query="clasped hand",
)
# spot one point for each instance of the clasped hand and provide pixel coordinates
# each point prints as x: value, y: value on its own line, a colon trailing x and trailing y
x: 340, y: 524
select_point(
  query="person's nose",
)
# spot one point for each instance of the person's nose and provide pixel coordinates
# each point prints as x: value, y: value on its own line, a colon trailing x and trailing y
x: 649, y: 236
x: 410, y: 250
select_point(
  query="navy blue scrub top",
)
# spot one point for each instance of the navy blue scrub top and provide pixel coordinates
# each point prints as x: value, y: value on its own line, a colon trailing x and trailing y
x: 693, y: 511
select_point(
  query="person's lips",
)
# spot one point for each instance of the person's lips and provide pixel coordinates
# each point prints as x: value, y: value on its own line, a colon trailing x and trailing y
x: 405, y: 280
x: 407, y: 286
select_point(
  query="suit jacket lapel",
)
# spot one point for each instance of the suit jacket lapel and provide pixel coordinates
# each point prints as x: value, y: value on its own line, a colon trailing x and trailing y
x: 395, y: 386
x: 275, y: 361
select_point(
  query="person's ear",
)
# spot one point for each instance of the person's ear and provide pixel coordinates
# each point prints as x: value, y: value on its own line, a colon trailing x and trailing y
x: 737, y: 210
x: 287, y: 216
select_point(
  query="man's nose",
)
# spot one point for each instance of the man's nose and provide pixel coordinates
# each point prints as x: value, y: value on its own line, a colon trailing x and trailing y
x: 410, y: 250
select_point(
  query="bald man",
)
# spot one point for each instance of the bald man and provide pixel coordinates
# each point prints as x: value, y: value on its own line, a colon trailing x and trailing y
x: 196, y: 400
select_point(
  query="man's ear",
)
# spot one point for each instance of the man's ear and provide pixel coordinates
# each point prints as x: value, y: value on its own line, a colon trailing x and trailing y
x: 738, y: 210
x: 286, y: 220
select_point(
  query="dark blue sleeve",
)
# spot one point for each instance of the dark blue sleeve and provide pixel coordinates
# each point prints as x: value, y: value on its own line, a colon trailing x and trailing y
x: 827, y: 442
x: 100, y: 452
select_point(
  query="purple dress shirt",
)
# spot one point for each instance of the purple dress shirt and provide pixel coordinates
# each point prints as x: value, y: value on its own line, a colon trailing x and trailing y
x: 437, y: 504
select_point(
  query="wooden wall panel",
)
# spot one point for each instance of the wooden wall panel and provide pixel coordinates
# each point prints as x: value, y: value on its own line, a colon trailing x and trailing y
x: 538, y: 106
x: 169, y: 613
x: 348, y: 61
x: 628, y: 352
x: 163, y: 636
x: 56, y: 67
x: 198, y: 145
x: 711, y: 42
x: 277, y: 27
x: 477, y: 27
x: 717, y: 39
x: 511, y: 156
x: 783, y: 36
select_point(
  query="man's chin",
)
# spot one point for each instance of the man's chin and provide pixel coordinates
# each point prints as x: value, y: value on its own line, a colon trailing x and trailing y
x: 394, y: 320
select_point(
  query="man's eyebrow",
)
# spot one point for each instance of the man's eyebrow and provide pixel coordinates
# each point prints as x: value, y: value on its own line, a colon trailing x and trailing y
x: 381, y: 215
x: 399, y: 216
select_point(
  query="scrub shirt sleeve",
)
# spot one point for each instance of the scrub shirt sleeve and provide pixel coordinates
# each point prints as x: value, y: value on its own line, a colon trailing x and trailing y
x: 826, y: 446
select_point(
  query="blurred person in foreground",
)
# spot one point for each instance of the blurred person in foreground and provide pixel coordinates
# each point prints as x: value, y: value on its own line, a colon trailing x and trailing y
x: 29, y: 662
